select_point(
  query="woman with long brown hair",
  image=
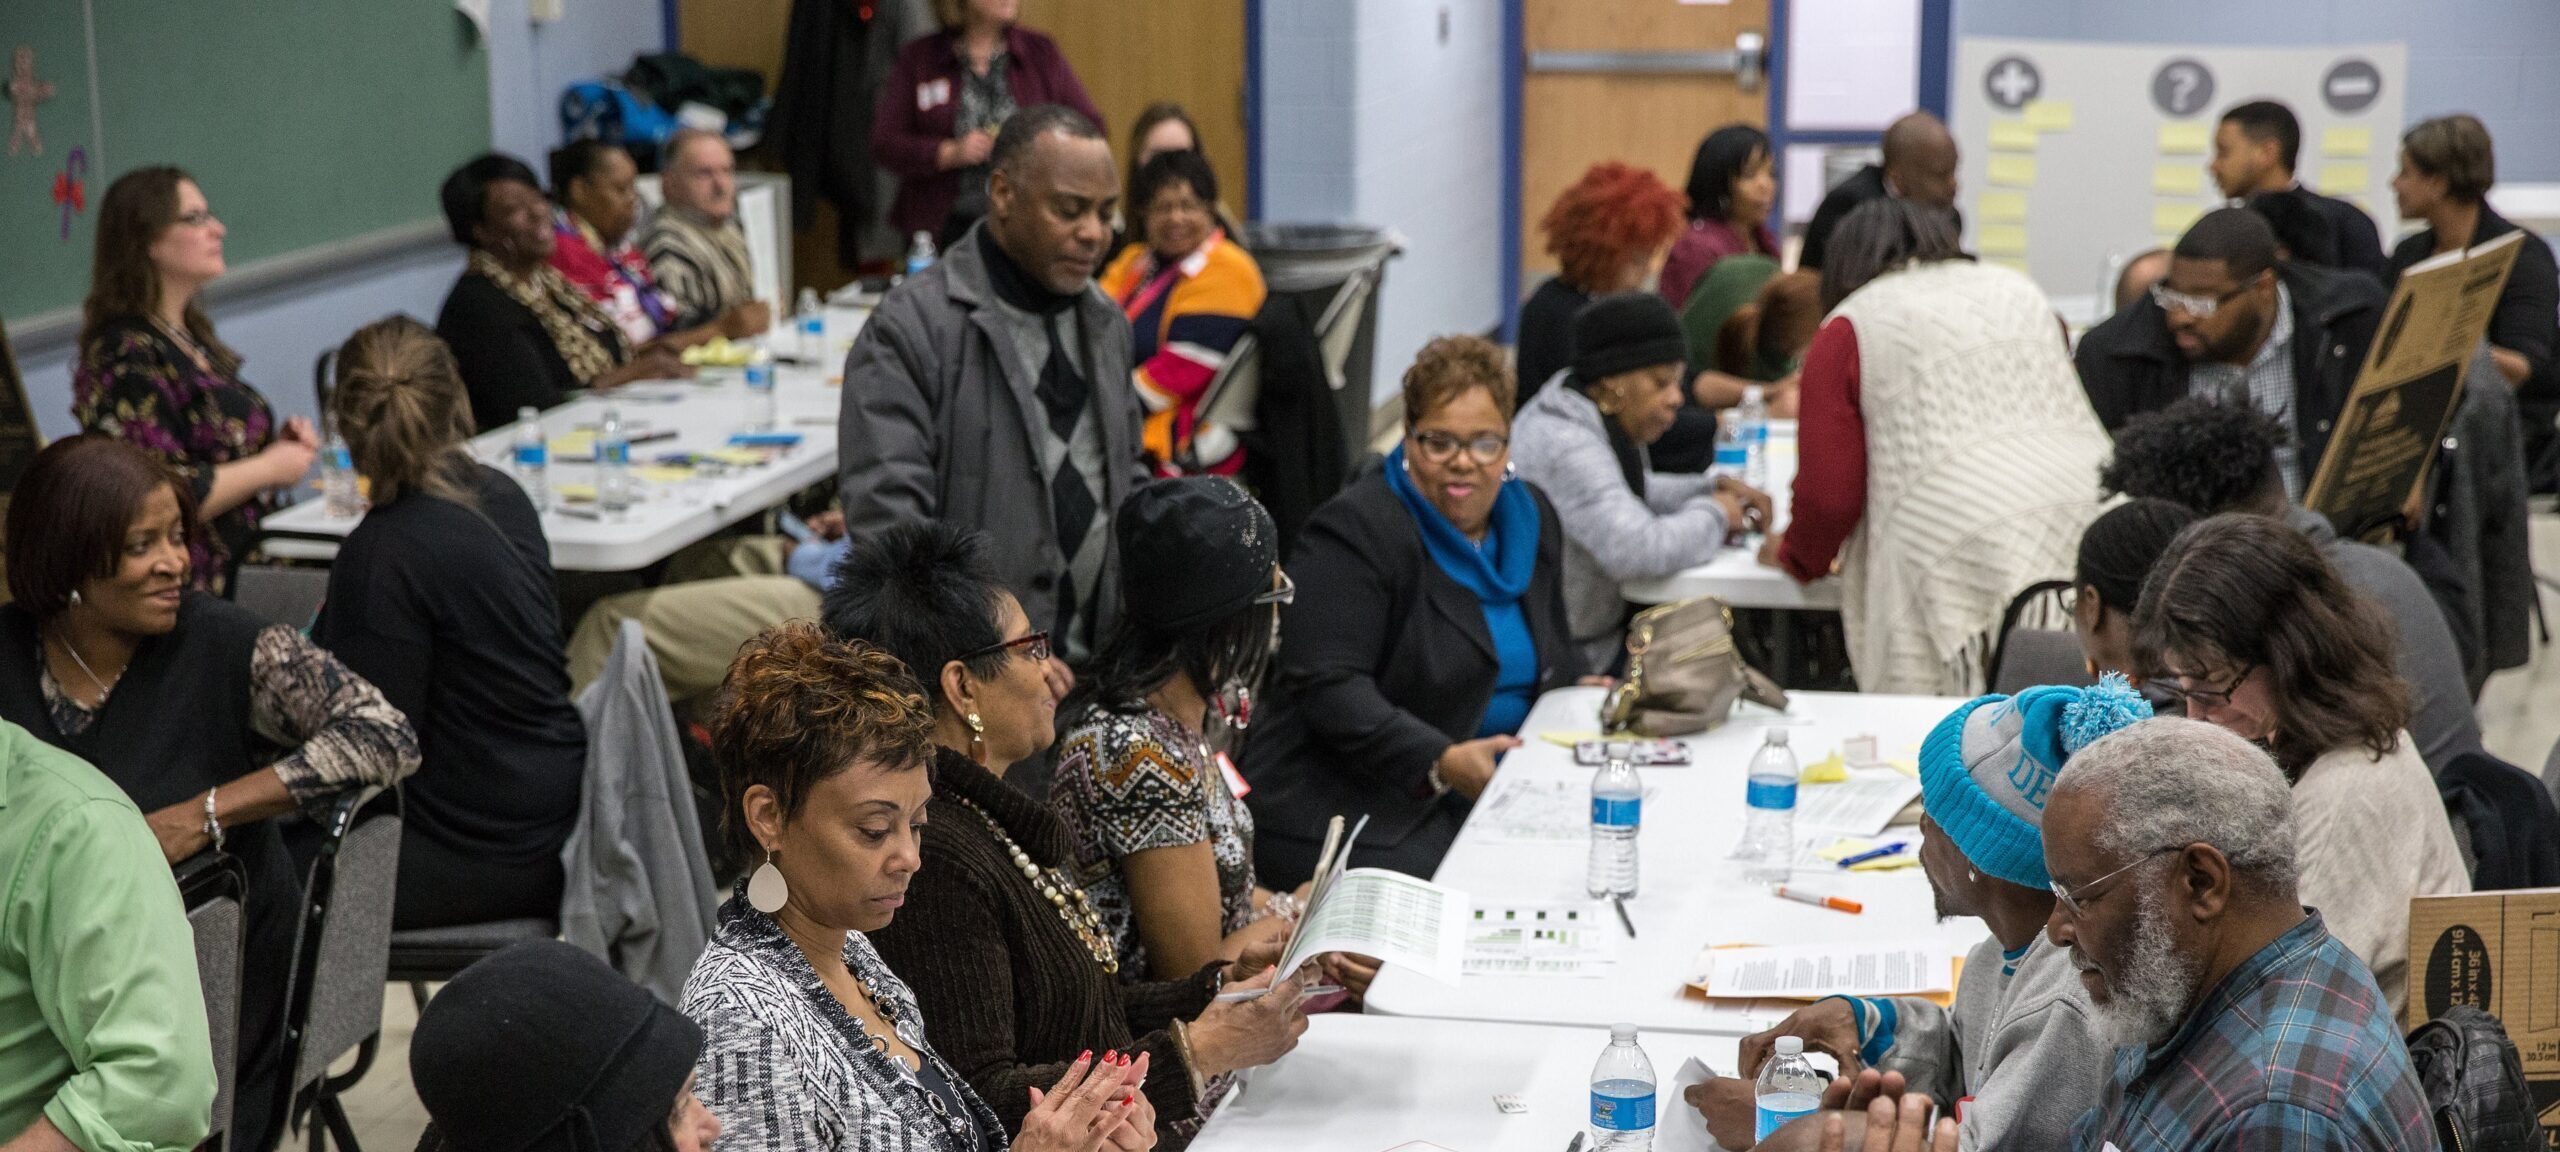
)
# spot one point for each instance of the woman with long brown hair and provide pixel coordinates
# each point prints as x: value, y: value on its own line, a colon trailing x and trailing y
x: 153, y: 373
x: 443, y: 598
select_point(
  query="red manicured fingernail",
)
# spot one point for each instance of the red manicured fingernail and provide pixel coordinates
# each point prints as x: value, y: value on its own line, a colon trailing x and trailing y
x: 1088, y: 1055
x: 1128, y: 1100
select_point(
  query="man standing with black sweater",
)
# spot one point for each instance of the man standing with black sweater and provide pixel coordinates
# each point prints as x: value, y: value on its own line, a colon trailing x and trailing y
x: 2254, y: 151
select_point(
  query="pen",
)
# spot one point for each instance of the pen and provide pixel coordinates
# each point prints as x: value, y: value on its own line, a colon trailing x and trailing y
x: 1621, y: 905
x: 1576, y: 1145
x: 1817, y: 900
x: 1309, y: 992
x: 1878, y: 852
x: 577, y: 513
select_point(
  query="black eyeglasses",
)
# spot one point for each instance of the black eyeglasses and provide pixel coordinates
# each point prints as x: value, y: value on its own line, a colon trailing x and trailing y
x: 1035, y: 646
x: 2169, y: 687
x: 1441, y: 447
x: 1285, y: 594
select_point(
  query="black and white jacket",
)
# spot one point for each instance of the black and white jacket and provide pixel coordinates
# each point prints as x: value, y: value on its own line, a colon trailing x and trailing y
x: 787, y: 1069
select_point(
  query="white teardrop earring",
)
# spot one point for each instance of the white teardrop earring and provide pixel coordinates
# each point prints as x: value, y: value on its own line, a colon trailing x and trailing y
x: 766, y: 890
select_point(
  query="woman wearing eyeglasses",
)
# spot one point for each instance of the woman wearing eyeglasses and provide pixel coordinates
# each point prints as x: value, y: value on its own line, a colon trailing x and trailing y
x: 1144, y: 781
x: 1000, y: 941
x: 1587, y: 444
x: 153, y: 374
x: 1440, y: 619
x: 2262, y: 637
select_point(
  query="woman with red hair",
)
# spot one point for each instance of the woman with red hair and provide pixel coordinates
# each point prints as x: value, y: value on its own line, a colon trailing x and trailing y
x: 1607, y: 232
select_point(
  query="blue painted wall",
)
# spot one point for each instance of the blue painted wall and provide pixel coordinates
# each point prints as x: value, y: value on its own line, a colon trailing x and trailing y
x: 2496, y: 59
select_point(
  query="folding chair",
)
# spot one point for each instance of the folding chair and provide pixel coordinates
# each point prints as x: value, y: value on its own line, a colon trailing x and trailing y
x: 334, y: 1003
x: 2036, y: 643
x: 214, y: 885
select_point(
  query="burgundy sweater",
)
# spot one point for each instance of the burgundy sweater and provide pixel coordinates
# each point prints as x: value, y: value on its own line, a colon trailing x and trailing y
x: 920, y: 106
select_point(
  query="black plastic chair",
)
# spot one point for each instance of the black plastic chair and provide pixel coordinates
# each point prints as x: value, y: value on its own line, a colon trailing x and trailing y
x: 334, y: 1003
x: 214, y: 887
x: 2030, y: 648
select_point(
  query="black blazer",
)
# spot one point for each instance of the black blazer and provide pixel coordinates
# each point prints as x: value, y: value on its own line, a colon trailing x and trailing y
x: 2130, y: 364
x: 1385, y: 664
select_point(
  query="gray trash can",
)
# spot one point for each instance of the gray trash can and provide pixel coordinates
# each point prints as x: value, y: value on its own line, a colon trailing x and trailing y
x: 1318, y: 262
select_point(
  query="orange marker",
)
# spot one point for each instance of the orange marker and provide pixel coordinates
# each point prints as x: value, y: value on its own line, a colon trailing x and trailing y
x: 1834, y: 903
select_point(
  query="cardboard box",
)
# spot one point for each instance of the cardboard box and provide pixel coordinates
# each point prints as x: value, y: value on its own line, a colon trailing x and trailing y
x: 2498, y: 951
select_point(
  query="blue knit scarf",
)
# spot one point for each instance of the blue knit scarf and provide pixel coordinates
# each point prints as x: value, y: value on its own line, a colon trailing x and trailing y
x: 1498, y: 579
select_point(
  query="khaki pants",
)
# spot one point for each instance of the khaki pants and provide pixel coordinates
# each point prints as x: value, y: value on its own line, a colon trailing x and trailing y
x: 696, y: 627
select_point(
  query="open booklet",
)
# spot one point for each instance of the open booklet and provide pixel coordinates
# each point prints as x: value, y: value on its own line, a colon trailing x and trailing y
x: 1374, y: 912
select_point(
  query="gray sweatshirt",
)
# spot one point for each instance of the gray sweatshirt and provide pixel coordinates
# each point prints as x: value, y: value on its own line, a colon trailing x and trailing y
x: 2019, y: 1043
x: 1611, y: 535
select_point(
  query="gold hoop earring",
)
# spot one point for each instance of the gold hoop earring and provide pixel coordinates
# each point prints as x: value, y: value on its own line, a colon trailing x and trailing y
x: 977, y: 739
x: 766, y: 890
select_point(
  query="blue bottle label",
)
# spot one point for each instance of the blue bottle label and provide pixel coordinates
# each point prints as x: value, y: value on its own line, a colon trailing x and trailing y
x: 613, y: 452
x: 1617, y: 812
x: 1732, y: 452
x: 1775, y: 1109
x: 532, y: 455
x: 759, y: 375
x: 1770, y: 794
x: 1615, y: 1113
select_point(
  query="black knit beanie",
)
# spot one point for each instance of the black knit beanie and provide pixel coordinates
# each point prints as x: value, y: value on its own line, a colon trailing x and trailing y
x: 542, y: 1048
x: 1624, y: 333
x: 1193, y: 551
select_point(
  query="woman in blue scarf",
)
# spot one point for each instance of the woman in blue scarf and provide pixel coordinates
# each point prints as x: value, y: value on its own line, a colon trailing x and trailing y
x: 1430, y: 616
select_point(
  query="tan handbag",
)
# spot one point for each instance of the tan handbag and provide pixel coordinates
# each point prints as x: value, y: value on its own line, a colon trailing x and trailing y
x: 1683, y: 673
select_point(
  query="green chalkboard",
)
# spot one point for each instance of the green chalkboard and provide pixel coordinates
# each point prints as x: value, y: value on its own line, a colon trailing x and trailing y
x: 305, y: 121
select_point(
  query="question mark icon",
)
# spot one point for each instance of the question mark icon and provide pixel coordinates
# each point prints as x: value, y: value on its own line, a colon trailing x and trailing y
x: 2182, y: 87
x: 2182, y: 84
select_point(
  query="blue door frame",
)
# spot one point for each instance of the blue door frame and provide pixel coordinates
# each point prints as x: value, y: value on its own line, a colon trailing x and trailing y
x: 1937, y: 21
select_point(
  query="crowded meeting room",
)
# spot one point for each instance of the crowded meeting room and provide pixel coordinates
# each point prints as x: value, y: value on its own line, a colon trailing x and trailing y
x: 1279, y: 576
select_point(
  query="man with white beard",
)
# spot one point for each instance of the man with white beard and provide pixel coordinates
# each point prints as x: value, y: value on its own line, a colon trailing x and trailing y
x: 2241, y: 1022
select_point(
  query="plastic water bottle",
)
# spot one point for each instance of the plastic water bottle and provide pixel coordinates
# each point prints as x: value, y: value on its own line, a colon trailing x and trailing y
x: 532, y: 457
x: 1754, y: 418
x: 1622, y: 1095
x: 1769, y: 839
x: 921, y: 254
x: 613, y: 465
x: 1617, y: 812
x: 1787, y: 1089
x: 762, y: 414
x: 809, y: 318
x: 338, y: 480
x: 1733, y: 458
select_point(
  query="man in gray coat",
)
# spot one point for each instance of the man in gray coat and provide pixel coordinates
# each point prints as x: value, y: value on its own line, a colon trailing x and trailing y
x: 992, y: 390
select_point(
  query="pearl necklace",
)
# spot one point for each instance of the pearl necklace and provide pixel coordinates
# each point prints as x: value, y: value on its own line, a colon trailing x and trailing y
x: 1078, y: 914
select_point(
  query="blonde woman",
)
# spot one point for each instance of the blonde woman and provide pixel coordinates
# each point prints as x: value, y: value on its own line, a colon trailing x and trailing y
x: 443, y: 598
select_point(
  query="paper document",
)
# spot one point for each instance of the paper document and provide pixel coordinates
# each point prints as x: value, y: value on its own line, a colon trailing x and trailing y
x: 1813, y: 971
x: 1538, y: 811
x: 1861, y: 805
x: 1682, y: 1128
x: 1374, y: 912
x: 1541, y: 940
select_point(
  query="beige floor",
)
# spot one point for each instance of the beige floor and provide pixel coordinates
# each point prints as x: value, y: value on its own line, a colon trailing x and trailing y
x: 2516, y: 713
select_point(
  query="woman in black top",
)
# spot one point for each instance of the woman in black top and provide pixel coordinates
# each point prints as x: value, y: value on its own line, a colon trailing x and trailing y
x: 211, y: 719
x: 525, y: 336
x: 2446, y: 168
x: 443, y: 597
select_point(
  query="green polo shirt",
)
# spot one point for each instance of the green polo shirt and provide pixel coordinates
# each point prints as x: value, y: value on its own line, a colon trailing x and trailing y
x: 102, y: 1021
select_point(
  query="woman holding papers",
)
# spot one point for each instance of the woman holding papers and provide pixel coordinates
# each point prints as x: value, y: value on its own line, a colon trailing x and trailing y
x: 1162, y: 837
x: 1003, y: 947
x: 1439, y: 617
x: 2020, y: 1046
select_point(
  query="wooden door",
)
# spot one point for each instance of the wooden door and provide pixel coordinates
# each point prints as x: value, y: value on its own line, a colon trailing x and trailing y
x: 1572, y: 119
x: 1132, y: 53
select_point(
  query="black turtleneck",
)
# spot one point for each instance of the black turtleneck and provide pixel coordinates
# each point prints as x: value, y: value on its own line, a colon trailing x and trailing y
x: 1015, y: 286
x: 1630, y: 460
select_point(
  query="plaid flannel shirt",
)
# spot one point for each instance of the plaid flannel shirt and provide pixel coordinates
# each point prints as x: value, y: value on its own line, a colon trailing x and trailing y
x: 2293, y: 1051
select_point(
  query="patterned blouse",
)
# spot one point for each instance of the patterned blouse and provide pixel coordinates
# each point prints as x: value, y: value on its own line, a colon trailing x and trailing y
x: 341, y: 731
x: 1128, y: 781
x: 135, y: 383
x: 787, y: 1069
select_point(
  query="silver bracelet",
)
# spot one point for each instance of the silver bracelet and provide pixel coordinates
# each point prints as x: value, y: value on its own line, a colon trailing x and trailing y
x: 212, y: 822
x: 1439, y: 786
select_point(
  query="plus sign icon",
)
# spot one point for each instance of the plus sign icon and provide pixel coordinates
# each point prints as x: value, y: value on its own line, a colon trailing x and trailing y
x: 2011, y: 81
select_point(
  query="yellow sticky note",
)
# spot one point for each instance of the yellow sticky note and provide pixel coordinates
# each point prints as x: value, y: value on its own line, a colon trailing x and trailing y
x: 2177, y: 179
x: 2013, y: 136
x: 2339, y: 179
x: 1828, y: 770
x: 2346, y: 142
x: 2184, y: 139
x: 2002, y: 207
x: 1568, y: 737
x: 2049, y: 115
x: 662, y: 473
x: 739, y: 457
x: 2174, y: 217
x: 2004, y: 239
x: 577, y: 445
x: 575, y: 493
x: 2013, y: 171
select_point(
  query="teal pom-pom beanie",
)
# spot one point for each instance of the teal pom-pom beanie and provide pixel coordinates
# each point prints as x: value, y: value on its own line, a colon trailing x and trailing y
x: 1987, y: 769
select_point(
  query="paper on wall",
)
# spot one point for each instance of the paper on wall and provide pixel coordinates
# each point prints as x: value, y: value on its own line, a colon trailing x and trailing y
x: 2187, y: 139
x: 2003, y: 207
x: 2013, y: 171
x: 2174, y: 219
x: 2177, y: 179
x: 2049, y: 115
x: 2339, y: 179
x: 2013, y: 136
x: 2346, y: 142
x: 2004, y: 239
